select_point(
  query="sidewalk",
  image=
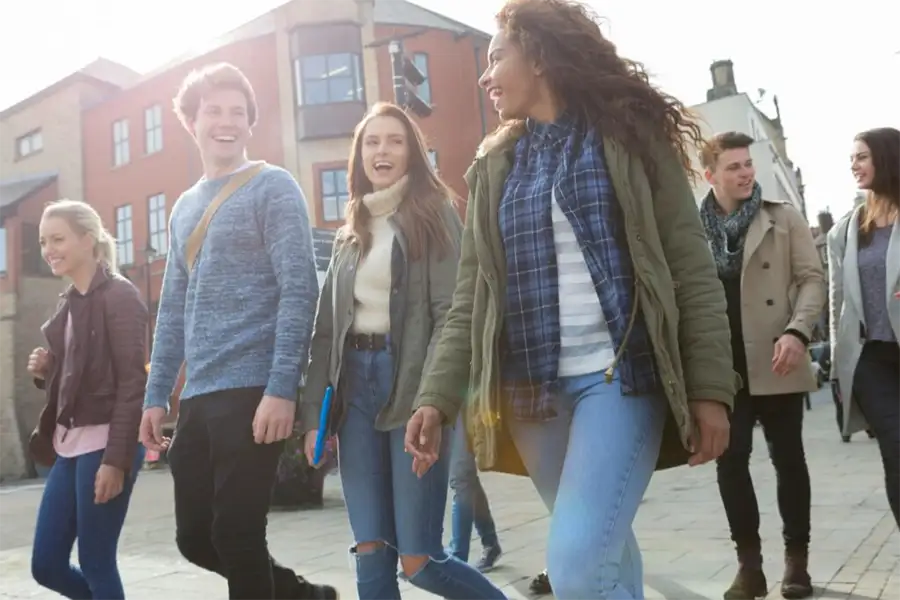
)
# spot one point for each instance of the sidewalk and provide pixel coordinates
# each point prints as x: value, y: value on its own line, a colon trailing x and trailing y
x: 681, y: 528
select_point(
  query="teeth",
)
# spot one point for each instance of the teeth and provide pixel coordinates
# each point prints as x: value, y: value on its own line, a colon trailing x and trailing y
x: 224, y: 138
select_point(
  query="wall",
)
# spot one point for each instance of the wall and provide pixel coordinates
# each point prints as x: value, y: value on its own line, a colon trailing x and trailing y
x: 58, y: 116
x: 455, y: 63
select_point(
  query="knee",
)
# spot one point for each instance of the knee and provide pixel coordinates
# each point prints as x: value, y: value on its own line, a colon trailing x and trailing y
x: 735, y: 459
x: 196, y: 548
x: 374, y: 561
x: 234, y: 538
x: 46, y: 569
x: 412, y: 564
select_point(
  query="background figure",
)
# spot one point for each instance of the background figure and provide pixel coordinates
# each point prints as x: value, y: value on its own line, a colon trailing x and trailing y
x: 864, y: 277
x: 94, y: 374
x: 470, y: 505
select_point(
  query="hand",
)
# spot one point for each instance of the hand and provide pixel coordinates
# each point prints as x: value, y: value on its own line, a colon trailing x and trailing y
x: 38, y: 362
x: 789, y: 352
x: 423, y: 438
x: 309, y: 447
x: 274, y: 420
x: 712, y: 431
x: 108, y: 483
x: 151, y: 429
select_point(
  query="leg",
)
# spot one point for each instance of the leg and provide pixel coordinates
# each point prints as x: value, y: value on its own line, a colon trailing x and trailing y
x: 191, y: 465
x: 243, y: 475
x: 739, y: 501
x: 876, y: 387
x: 99, y: 526
x: 419, y: 505
x: 470, y: 504
x: 365, y: 469
x: 54, y: 535
x: 782, y: 419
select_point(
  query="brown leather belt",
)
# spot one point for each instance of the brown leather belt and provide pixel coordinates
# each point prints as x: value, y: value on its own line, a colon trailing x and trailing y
x: 367, y: 341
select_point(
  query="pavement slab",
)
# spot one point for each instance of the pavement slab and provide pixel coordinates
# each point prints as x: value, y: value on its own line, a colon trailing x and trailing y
x: 681, y: 527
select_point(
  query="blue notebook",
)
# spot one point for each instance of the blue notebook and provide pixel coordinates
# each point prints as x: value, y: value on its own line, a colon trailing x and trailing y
x: 323, y: 433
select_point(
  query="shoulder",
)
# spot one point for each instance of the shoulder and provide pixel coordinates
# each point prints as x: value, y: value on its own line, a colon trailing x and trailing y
x: 838, y: 233
x: 277, y: 177
x: 119, y: 292
x: 785, y: 212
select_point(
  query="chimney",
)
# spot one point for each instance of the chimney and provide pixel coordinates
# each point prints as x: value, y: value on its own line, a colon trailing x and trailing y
x: 722, y: 79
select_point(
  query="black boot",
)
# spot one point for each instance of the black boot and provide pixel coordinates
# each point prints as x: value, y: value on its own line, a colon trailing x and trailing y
x: 750, y: 581
x: 796, y: 582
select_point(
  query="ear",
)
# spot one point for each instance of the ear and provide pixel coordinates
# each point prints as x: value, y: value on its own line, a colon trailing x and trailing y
x: 190, y: 125
x: 709, y: 176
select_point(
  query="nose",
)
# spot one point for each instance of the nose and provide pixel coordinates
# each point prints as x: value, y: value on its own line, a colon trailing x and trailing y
x: 485, y: 80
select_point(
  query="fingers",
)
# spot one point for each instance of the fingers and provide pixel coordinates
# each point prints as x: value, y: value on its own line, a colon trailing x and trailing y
x: 413, y: 432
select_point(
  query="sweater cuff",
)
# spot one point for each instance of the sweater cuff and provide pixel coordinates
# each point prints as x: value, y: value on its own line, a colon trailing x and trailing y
x: 284, y: 386
x: 798, y: 335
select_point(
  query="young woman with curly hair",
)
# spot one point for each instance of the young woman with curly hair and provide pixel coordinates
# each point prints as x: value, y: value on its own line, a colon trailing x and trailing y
x: 588, y: 319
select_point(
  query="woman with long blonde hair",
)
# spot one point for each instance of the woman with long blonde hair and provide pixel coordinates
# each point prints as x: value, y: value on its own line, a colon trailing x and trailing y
x: 382, y: 307
x: 93, y: 370
x: 864, y: 277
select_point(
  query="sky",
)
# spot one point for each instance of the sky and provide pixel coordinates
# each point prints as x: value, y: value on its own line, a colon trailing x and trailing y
x: 836, y: 71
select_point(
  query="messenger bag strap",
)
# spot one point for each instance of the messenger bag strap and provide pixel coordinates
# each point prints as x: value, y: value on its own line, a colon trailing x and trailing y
x: 195, y: 240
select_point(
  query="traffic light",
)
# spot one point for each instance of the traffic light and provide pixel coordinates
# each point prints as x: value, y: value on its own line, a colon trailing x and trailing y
x: 407, y: 77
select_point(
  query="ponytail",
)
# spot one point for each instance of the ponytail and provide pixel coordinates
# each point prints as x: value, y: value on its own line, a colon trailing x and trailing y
x: 105, y: 250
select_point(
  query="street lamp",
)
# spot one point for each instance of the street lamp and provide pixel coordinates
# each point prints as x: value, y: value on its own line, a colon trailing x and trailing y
x: 150, y: 255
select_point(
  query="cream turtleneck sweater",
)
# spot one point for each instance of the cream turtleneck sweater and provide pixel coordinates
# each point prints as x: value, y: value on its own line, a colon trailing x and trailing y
x: 372, y: 289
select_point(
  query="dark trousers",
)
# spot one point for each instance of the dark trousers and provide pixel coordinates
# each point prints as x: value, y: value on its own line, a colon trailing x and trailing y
x: 876, y: 390
x: 781, y: 418
x: 223, y: 483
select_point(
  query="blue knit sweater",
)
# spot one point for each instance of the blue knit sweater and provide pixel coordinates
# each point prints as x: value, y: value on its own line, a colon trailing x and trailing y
x: 243, y: 317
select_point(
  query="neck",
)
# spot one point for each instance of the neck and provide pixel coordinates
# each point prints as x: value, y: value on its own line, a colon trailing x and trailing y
x: 214, y: 169
x: 546, y: 110
x: 83, y: 276
x: 726, y: 203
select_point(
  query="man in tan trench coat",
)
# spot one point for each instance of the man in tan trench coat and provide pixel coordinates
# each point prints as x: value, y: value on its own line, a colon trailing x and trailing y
x: 775, y: 290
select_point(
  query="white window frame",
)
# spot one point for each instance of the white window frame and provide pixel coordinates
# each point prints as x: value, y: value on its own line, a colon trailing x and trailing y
x: 420, y: 60
x: 334, y: 205
x: 153, y: 134
x: 30, y: 143
x: 125, y: 235
x: 121, y: 143
x: 157, y: 224
x: 356, y: 75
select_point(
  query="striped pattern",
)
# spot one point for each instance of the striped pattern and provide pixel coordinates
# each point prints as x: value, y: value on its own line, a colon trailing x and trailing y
x: 585, y: 343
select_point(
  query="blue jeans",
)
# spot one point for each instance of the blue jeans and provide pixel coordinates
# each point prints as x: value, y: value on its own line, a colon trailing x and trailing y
x: 591, y: 466
x: 387, y: 502
x: 67, y: 513
x: 470, y: 503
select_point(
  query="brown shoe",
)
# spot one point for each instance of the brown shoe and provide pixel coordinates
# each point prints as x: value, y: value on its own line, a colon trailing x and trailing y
x: 796, y: 583
x: 750, y: 581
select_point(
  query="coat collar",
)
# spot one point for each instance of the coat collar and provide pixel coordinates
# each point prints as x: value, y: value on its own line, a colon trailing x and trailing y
x: 101, y: 276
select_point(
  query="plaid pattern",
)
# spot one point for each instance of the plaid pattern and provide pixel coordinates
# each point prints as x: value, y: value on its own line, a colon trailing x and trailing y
x: 563, y: 158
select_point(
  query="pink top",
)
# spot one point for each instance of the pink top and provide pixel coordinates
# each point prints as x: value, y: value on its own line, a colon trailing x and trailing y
x: 69, y: 443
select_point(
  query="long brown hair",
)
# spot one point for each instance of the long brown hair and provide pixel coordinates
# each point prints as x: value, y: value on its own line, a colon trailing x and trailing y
x: 420, y: 214
x: 883, y: 197
x: 604, y: 90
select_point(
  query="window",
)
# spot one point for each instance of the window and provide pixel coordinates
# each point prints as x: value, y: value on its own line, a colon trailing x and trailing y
x: 30, y: 143
x: 328, y: 78
x: 153, y: 129
x: 420, y: 59
x: 334, y: 194
x: 3, y: 250
x: 124, y: 235
x: 156, y: 218
x: 121, y: 151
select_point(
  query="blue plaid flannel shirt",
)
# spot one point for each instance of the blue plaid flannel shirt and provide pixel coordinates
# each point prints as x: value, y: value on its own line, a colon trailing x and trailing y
x: 564, y: 158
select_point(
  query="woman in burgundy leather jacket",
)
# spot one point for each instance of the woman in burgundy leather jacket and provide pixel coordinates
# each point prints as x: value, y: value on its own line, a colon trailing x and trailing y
x: 93, y: 372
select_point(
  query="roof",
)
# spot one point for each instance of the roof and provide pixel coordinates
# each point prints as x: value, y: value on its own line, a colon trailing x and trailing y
x: 13, y: 191
x: 101, y: 72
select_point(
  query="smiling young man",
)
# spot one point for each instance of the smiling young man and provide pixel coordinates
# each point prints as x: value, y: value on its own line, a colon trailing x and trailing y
x: 240, y: 316
x: 775, y: 291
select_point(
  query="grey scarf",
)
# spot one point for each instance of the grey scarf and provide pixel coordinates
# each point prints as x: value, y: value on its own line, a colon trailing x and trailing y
x: 726, y: 233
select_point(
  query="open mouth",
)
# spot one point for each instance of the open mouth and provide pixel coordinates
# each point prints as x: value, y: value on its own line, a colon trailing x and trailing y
x: 383, y: 166
x: 225, y: 138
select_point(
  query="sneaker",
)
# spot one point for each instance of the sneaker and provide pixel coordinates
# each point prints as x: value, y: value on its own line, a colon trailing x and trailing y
x: 312, y: 591
x: 489, y: 556
x: 540, y: 585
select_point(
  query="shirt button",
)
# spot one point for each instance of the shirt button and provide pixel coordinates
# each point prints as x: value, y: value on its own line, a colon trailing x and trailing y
x: 770, y: 302
x: 765, y: 265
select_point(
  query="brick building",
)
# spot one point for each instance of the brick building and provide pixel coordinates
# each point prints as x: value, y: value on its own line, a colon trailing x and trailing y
x: 40, y: 161
x: 109, y: 136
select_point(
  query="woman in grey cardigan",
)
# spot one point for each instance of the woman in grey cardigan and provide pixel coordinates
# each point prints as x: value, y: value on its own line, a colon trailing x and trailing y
x: 864, y: 275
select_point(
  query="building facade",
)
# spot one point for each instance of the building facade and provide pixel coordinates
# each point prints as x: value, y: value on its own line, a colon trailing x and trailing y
x: 40, y: 161
x: 727, y: 109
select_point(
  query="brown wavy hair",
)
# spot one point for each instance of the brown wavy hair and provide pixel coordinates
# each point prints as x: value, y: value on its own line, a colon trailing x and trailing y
x: 421, y: 212
x: 883, y: 197
x: 604, y: 90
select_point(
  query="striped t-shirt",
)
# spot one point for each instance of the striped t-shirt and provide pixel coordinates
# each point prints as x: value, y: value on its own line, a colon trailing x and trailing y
x: 585, y: 343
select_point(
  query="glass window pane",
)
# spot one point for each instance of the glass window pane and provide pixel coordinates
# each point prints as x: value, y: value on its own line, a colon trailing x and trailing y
x: 340, y: 65
x: 315, y: 92
x: 341, y: 178
x: 314, y: 67
x: 329, y: 209
x: 328, y: 183
x: 340, y: 89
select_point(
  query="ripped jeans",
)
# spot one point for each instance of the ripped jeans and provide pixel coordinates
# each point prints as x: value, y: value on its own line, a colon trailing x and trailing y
x: 387, y: 502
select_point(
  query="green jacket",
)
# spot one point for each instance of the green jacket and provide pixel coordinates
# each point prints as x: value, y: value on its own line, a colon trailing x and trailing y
x: 680, y: 296
x: 422, y: 291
